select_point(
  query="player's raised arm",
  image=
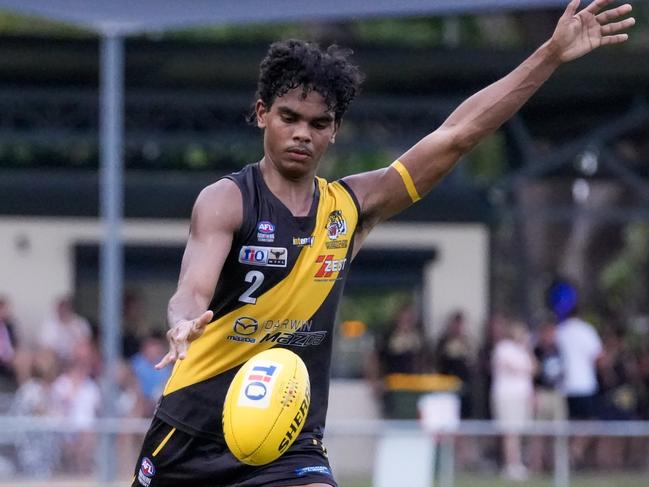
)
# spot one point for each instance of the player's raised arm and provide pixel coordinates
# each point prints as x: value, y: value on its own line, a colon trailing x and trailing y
x: 385, y: 192
x: 217, y: 214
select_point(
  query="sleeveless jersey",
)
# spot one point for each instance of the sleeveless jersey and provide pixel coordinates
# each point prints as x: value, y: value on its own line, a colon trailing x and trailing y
x: 279, y: 287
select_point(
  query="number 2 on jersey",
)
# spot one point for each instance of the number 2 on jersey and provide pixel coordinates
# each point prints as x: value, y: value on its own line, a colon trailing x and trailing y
x: 255, y: 278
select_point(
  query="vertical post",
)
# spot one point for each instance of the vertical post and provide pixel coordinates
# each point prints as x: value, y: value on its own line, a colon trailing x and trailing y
x: 447, y: 461
x: 111, y: 211
x: 561, y: 460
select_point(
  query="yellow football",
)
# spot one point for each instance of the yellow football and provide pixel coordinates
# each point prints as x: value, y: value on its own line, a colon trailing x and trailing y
x: 266, y: 406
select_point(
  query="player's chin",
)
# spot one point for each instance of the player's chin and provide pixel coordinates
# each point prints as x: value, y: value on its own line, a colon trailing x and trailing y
x: 293, y: 169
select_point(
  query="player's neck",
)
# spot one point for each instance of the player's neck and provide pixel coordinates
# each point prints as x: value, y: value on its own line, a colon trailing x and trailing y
x: 295, y: 194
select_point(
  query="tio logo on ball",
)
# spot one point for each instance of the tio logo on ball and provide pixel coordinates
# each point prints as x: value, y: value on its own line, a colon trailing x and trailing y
x: 257, y: 388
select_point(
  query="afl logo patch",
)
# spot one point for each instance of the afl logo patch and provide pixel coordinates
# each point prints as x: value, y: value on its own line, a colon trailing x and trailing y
x: 265, y: 231
x: 146, y: 472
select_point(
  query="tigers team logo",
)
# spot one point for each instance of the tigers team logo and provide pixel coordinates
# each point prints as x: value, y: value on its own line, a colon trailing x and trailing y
x: 336, y: 225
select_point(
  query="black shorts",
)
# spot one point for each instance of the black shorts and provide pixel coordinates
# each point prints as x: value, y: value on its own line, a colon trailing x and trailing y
x: 582, y: 407
x: 173, y: 458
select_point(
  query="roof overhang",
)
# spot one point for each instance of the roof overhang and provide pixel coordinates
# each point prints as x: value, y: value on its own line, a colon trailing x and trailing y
x: 126, y: 17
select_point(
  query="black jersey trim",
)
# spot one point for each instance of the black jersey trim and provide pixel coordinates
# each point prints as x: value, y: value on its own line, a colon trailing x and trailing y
x: 238, y: 234
x: 351, y: 193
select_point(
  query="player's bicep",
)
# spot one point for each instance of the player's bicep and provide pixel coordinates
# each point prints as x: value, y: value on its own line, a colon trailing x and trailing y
x: 380, y: 194
x: 387, y: 191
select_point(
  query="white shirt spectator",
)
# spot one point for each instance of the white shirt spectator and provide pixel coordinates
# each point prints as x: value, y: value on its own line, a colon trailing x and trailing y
x: 580, y: 346
x: 78, y: 399
x: 62, y: 337
x: 513, y: 370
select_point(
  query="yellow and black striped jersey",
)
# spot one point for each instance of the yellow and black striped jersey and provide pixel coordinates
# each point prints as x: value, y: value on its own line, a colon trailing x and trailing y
x: 280, y: 286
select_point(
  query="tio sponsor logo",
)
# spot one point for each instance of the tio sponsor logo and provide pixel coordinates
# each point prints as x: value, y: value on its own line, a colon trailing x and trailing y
x: 266, y: 231
x: 257, y: 387
x: 263, y: 256
x: 329, y: 267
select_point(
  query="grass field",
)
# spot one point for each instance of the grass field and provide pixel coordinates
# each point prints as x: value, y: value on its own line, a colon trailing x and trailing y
x: 590, y: 480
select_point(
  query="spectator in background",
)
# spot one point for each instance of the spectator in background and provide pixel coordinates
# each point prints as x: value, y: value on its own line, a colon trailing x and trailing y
x: 78, y: 397
x: 618, y: 398
x: 549, y: 402
x: 38, y: 452
x: 65, y: 330
x: 641, y: 445
x: 580, y: 348
x: 454, y: 356
x: 150, y: 380
x: 494, y: 331
x: 8, y: 346
x: 402, y: 350
x: 512, y: 394
x: 133, y: 326
x: 130, y: 403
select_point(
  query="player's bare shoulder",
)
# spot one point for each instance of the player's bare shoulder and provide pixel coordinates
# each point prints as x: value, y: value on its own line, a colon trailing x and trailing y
x: 218, y: 207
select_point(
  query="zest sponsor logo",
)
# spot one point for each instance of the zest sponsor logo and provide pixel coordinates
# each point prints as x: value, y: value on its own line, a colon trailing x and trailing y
x: 328, y: 266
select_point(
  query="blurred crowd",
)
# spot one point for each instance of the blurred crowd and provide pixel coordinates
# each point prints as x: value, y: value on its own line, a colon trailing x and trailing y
x: 558, y: 367
x: 58, y: 376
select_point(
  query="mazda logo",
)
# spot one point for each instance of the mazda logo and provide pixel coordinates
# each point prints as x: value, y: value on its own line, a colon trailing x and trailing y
x: 245, y: 325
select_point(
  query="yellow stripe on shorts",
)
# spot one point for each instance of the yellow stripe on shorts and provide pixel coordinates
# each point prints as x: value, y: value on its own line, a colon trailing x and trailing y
x: 407, y: 180
x: 163, y: 442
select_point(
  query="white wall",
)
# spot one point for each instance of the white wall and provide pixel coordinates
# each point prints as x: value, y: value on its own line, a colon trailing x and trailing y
x: 459, y: 277
x: 37, y: 261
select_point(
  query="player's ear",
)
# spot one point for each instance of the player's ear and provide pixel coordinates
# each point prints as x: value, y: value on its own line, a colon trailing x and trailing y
x: 261, y: 111
x: 337, y: 124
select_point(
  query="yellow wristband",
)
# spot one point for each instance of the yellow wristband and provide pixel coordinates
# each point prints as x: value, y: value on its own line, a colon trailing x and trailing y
x: 407, y: 180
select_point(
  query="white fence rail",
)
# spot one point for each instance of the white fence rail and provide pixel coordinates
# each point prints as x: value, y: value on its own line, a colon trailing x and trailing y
x: 339, y: 432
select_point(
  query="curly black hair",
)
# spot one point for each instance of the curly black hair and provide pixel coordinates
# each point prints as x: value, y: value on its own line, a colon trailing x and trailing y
x: 293, y: 63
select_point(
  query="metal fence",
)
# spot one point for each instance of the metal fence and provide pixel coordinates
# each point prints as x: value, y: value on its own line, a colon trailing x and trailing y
x: 342, y: 438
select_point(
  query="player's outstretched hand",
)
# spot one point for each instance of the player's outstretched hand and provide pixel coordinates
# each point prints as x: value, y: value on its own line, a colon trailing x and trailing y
x: 181, y: 335
x: 578, y: 33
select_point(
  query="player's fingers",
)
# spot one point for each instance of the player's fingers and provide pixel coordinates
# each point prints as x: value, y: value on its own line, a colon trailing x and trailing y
x: 181, y: 349
x: 169, y: 358
x: 614, y: 13
x: 615, y: 39
x: 618, y: 26
x: 571, y: 9
x: 204, y: 319
x: 597, y: 5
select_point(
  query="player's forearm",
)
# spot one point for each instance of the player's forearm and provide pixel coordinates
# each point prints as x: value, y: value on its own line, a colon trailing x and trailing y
x: 185, y: 306
x: 484, y: 112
